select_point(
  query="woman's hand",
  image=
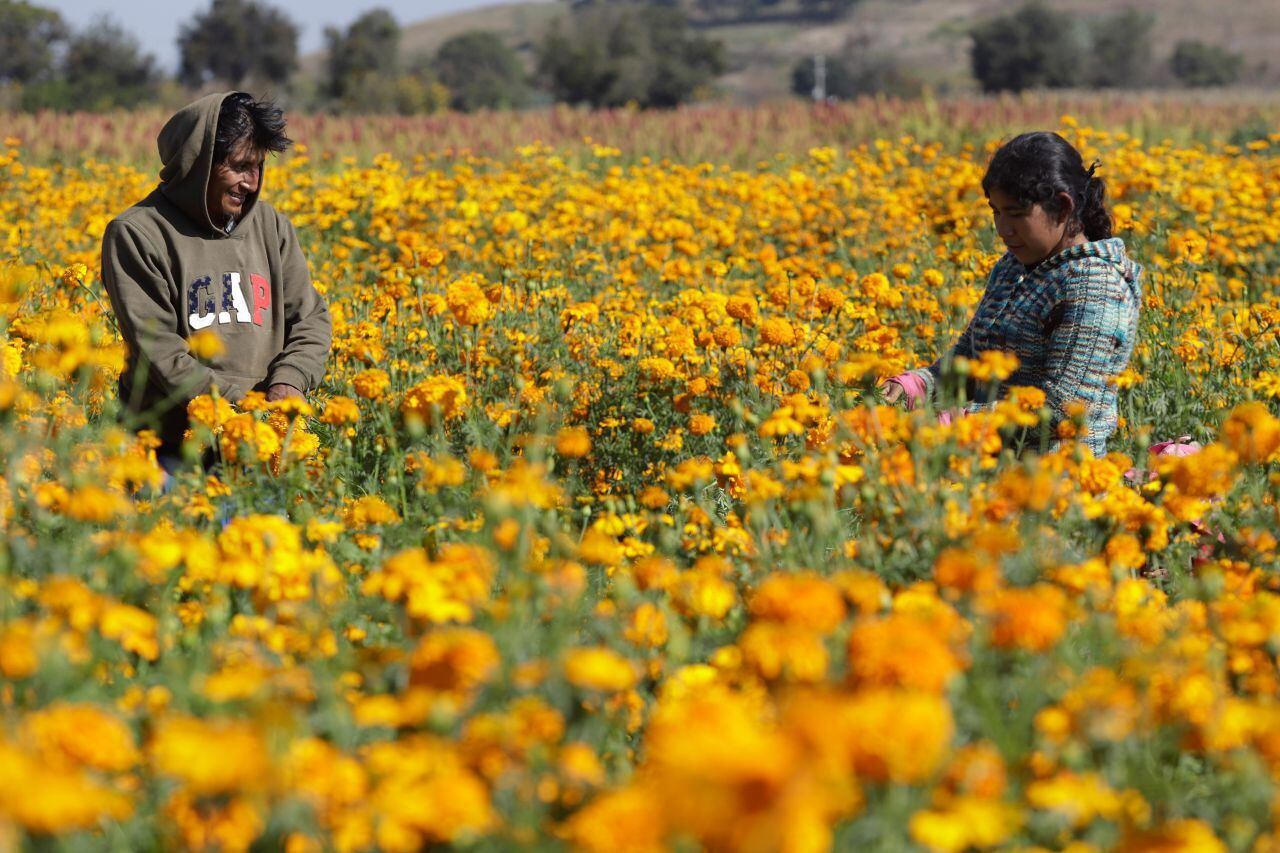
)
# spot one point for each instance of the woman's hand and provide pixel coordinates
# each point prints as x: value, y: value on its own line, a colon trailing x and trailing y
x: 892, y: 391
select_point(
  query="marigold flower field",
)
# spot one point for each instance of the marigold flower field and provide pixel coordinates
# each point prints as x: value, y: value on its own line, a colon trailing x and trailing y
x: 598, y: 535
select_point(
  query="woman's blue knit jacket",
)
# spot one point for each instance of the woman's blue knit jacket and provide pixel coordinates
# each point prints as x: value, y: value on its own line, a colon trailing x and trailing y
x: 1071, y: 320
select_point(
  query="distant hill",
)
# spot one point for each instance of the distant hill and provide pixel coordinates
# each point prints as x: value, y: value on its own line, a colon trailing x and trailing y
x: 927, y: 37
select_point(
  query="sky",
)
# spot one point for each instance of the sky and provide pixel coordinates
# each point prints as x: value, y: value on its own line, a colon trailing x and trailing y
x: 156, y: 22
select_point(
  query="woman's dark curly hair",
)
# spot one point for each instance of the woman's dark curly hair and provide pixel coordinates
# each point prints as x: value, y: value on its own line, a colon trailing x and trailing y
x: 1035, y: 167
x: 262, y: 122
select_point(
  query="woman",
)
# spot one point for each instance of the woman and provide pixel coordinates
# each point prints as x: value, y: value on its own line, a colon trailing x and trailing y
x: 1064, y: 298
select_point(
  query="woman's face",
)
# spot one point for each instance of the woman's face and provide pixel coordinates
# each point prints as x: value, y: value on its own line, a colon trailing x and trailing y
x: 1030, y: 233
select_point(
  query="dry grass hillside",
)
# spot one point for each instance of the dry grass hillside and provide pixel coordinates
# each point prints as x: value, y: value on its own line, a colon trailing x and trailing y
x: 927, y: 37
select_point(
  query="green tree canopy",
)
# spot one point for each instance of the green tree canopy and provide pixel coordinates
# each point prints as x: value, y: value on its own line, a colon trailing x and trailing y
x: 611, y: 55
x: 1196, y: 63
x: 236, y: 40
x: 1121, y: 48
x: 105, y: 67
x: 481, y: 72
x: 29, y: 35
x: 370, y: 46
x: 1034, y: 46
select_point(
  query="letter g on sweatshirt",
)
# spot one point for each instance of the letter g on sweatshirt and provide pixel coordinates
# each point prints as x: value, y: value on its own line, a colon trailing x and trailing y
x: 170, y: 272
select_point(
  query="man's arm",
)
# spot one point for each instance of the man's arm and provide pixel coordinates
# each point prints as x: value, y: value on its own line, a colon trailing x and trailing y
x: 307, y: 329
x: 144, y: 301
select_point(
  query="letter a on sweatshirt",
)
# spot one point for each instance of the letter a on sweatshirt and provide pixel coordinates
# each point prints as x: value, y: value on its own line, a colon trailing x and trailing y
x: 233, y: 298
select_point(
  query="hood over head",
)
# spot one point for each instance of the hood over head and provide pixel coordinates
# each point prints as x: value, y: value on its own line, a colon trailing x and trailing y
x: 186, y: 151
x: 1110, y: 251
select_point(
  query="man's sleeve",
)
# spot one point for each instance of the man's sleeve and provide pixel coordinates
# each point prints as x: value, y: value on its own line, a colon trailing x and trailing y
x: 307, y: 329
x: 145, y: 302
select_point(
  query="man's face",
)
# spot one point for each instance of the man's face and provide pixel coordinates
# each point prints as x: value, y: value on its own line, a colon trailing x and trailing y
x: 233, y: 181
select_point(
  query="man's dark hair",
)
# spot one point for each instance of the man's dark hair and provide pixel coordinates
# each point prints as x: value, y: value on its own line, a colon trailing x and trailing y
x: 241, y: 117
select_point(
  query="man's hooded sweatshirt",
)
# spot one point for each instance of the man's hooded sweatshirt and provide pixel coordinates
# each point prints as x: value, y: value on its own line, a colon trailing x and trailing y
x: 171, y: 272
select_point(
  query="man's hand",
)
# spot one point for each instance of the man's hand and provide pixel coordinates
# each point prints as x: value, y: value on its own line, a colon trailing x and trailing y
x: 281, y: 391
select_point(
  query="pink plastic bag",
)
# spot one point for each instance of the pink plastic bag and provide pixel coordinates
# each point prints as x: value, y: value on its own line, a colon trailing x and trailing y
x: 1182, y: 446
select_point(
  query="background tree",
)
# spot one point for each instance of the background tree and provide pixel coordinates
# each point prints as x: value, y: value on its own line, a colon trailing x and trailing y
x: 856, y: 69
x: 627, y: 53
x: 237, y: 40
x: 370, y: 46
x: 1196, y: 63
x: 1120, y: 53
x: 104, y: 67
x: 29, y: 35
x: 1034, y: 46
x: 481, y: 72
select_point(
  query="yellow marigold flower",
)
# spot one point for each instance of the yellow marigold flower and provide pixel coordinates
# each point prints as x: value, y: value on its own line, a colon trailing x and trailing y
x: 95, y: 504
x: 339, y: 411
x: 467, y: 302
x: 599, y: 668
x: 1124, y: 550
x: 1252, y: 432
x: 206, y: 345
x: 573, y: 442
x: 82, y: 734
x: 209, y: 411
x: 657, y: 368
x: 1208, y: 474
x: 19, y: 658
x: 245, y: 430
x: 776, y: 331
x: 743, y: 308
x: 453, y: 660
x: 701, y: 424
x: 647, y: 627
x: 371, y: 384
x: 134, y: 629
x: 1080, y: 798
x: 180, y: 749
x: 965, y: 823
x: 368, y: 511
x: 447, y: 589
x: 993, y: 366
x: 704, y: 594
x: 436, y: 398
x: 642, y: 426
x: 50, y: 801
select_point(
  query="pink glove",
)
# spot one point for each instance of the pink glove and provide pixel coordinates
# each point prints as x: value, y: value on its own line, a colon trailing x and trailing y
x: 912, y: 388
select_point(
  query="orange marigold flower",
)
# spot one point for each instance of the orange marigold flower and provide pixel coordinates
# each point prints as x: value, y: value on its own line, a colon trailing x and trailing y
x: 1031, y: 618
x: 372, y: 383
x: 573, y: 442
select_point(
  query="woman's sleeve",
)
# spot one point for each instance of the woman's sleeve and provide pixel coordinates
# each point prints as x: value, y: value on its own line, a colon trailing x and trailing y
x: 962, y: 348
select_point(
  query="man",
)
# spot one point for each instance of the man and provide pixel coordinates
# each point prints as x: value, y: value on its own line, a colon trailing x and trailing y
x: 202, y: 252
